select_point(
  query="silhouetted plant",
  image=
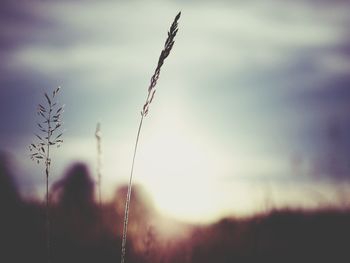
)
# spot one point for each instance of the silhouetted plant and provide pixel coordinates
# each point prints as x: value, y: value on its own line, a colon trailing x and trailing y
x: 98, y: 135
x: 50, y: 135
x: 149, y: 244
x: 151, y: 91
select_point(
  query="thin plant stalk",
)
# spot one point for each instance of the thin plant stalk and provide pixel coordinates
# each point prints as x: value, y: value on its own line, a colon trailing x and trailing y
x: 151, y: 92
x: 99, y: 161
x: 47, y: 172
x: 98, y: 136
x: 49, y: 127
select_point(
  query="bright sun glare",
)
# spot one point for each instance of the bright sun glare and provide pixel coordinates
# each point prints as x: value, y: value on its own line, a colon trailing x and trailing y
x: 178, y: 168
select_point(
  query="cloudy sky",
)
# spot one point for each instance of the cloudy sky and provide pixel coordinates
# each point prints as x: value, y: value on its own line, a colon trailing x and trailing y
x: 252, y: 109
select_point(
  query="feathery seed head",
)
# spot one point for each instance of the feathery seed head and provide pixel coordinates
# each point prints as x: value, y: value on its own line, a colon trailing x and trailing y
x: 163, y: 55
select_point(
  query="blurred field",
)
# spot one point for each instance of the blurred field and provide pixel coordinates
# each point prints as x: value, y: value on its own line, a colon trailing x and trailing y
x: 83, y: 232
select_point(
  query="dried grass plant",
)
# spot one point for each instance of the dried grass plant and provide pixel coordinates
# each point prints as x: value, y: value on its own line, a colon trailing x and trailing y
x: 98, y: 136
x: 151, y: 92
x: 50, y: 134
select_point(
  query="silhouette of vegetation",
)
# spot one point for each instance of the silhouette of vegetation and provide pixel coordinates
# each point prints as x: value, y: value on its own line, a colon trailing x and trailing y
x: 76, y: 214
x: 98, y: 136
x: 49, y: 126
x: 145, y: 109
x: 277, y: 236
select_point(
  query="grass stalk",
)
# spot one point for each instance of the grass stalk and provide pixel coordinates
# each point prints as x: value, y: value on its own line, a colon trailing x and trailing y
x: 98, y: 136
x: 50, y: 135
x: 151, y: 92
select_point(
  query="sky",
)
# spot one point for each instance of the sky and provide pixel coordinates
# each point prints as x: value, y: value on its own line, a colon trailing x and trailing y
x: 252, y: 109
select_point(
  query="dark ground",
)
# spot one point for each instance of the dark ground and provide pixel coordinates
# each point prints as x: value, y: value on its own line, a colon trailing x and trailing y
x: 83, y: 232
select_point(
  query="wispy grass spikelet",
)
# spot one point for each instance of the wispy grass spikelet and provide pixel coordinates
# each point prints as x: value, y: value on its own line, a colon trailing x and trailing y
x: 163, y: 55
x: 145, y: 109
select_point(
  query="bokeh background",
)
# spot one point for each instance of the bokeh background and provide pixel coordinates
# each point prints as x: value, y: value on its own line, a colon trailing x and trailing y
x: 251, y: 113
